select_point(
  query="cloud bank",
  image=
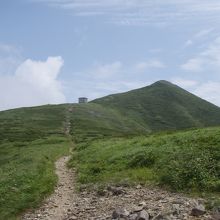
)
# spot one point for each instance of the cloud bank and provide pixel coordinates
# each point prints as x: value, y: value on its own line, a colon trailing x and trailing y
x: 142, y: 12
x: 207, y: 60
x: 33, y: 83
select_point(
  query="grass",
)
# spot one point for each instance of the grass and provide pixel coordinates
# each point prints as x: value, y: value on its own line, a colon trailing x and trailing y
x: 110, y: 146
x: 163, y: 106
x: 31, y: 140
x: 28, y: 124
x: 92, y: 121
x: 183, y: 161
x: 27, y: 173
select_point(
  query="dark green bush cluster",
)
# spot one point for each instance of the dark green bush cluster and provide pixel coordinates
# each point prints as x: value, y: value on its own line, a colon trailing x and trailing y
x: 190, y: 170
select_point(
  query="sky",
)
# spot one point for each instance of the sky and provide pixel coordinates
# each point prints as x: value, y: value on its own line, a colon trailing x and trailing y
x: 54, y: 51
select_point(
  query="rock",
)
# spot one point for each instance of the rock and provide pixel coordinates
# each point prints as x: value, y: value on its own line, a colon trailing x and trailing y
x: 143, y: 204
x: 133, y: 216
x: 161, y: 217
x: 138, y: 186
x: 201, y: 201
x: 143, y: 215
x: 176, y: 209
x: 179, y: 201
x: 101, y: 192
x: 120, y: 213
x: 216, y: 216
x: 73, y: 217
x: 198, y: 210
x: 137, y: 208
x: 115, y: 190
x: 158, y: 217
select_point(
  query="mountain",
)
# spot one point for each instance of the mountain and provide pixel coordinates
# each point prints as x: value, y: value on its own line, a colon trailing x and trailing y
x: 158, y: 107
x: 89, y: 121
x: 32, y: 139
x: 163, y: 106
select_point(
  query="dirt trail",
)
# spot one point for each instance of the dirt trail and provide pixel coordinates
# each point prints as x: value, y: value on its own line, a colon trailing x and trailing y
x: 66, y: 204
x: 59, y: 203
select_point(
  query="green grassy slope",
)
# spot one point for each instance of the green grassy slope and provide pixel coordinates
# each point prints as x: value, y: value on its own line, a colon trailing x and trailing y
x: 91, y: 121
x: 163, y: 106
x: 26, y: 124
x: 31, y: 139
x: 187, y: 160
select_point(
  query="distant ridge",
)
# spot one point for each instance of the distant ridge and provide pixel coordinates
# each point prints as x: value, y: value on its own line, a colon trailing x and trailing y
x: 163, y: 106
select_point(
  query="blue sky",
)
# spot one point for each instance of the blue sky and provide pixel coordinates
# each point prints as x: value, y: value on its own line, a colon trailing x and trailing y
x: 53, y: 51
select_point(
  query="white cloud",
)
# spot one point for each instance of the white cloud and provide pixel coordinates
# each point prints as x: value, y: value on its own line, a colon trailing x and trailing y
x: 209, y: 91
x: 184, y: 83
x: 103, y: 71
x: 108, y: 78
x: 96, y: 89
x: 203, y: 33
x: 209, y: 59
x: 34, y: 83
x: 194, y: 65
x: 188, y: 43
x: 198, y: 36
x: 118, y: 71
x: 6, y: 48
x: 10, y: 58
x: 141, y: 12
x: 142, y: 66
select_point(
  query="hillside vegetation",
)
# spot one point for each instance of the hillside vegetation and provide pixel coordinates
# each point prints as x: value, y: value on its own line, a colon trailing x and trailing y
x: 31, y: 139
x: 116, y: 141
x: 163, y: 106
x: 92, y: 121
x: 187, y: 160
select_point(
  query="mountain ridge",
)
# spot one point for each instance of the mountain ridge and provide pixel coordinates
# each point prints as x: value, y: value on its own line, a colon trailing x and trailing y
x: 163, y: 105
x: 159, y: 107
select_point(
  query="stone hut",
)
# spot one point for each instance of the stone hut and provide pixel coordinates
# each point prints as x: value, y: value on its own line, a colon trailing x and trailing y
x: 83, y: 100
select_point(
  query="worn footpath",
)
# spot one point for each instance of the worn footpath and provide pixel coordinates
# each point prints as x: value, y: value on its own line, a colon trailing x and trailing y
x: 116, y: 203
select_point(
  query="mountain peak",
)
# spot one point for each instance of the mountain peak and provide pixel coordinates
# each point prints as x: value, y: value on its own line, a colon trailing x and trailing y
x: 162, y: 82
x: 163, y: 106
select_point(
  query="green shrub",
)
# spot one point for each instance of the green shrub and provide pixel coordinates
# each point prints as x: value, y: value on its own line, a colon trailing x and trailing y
x: 187, y: 160
x: 188, y: 170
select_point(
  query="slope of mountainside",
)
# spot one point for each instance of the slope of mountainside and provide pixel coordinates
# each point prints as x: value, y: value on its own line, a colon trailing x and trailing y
x: 183, y: 160
x: 27, y: 124
x: 91, y: 121
x: 31, y: 140
x: 163, y: 106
